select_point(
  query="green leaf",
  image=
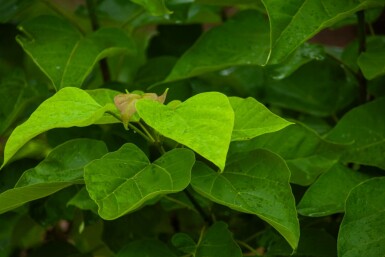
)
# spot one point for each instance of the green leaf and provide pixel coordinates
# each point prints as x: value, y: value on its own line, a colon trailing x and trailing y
x: 305, y: 152
x: 154, y: 7
x: 67, y: 108
x: 64, y: 54
x: 62, y: 167
x: 104, y: 96
x: 364, y: 128
x: 243, y: 40
x: 252, y: 119
x: 362, y: 231
x: 218, y: 241
x: 184, y: 243
x: 203, y: 122
x: 329, y: 193
x: 124, y: 180
x: 256, y: 182
x: 146, y: 247
x: 372, y: 62
x: 292, y: 22
x: 308, y: 89
x: 83, y: 201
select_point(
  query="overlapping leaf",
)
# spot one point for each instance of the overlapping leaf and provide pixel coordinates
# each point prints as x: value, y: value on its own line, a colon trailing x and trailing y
x: 362, y: 231
x: 64, y: 54
x: 154, y: 7
x: 372, y: 62
x: 328, y: 194
x: 305, y: 152
x: 256, y: 182
x: 364, y: 128
x: 124, y: 180
x: 67, y: 108
x: 62, y: 167
x: 253, y: 119
x: 203, y: 122
x: 292, y: 22
x: 242, y: 40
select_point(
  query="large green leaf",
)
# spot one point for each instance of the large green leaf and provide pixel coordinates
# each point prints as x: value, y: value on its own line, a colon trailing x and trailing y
x: 62, y: 167
x: 124, y: 180
x: 319, y: 88
x: 292, y: 22
x: 67, y: 108
x: 328, y: 194
x: 154, y: 7
x: 147, y: 247
x: 305, y: 152
x: 364, y: 128
x: 203, y: 122
x: 64, y: 54
x: 253, y: 119
x: 256, y: 182
x: 243, y: 40
x: 372, y: 62
x: 362, y: 231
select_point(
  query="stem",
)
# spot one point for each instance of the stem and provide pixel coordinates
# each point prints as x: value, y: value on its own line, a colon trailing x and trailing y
x: 248, y: 247
x: 140, y: 133
x: 103, y: 65
x: 362, y: 48
x: 147, y: 132
x: 200, y: 210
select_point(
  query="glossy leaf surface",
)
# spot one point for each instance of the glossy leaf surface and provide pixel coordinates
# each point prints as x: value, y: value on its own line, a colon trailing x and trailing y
x: 292, y: 22
x: 62, y: 167
x: 242, y: 40
x: 328, y: 194
x: 362, y: 231
x: 67, y: 108
x: 253, y: 119
x: 64, y: 54
x: 124, y: 180
x: 256, y: 182
x: 203, y: 122
x: 364, y: 128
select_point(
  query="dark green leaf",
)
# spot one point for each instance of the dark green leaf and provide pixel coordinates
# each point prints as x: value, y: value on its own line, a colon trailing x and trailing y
x: 362, y: 232
x: 64, y: 54
x: 62, y: 167
x: 305, y: 152
x: 256, y: 182
x: 184, y: 243
x: 252, y: 119
x: 242, y: 40
x: 124, y: 180
x: 364, y: 128
x: 292, y: 22
x: 328, y: 194
x: 67, y: 108
x: 372, y: 62
x: 203, y: 122
x: 149, y: 247
x: 83, y: 201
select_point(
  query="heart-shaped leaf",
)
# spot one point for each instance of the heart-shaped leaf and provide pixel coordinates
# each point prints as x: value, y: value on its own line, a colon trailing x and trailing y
x: 362, y: 231
x: 124, y: 180
x: 203, y: 122
x: 62, y: 167
x: 64, y: 54
x: 292, y: 22
x: 256, y: 182
x: 253, y: 119
x: 69, y: 107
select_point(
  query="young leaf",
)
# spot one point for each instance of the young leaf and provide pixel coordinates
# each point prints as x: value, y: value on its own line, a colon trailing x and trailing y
x: 67, y: 108
x: 364, y: 128
x: 256, y: 182
x: 62, y: 167
x: 328, y: 194
x: 362, y: 231
x: 292, y: 22
x: 252, y: 119
x: 203, y: 122
x: 124, y: 180
x: 305, y: 152
x: 242, y: 40
x: 64, y: 54
x: 154, y: 7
